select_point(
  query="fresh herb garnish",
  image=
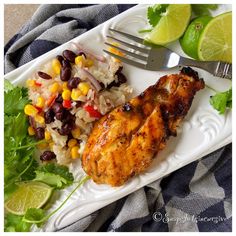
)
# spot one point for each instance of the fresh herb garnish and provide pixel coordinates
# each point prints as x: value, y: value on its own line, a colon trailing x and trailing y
x: 54, y: 175
x: 14, y: 223
x: 155, y: 12
x: 222, y: 100
x: 18, y: 162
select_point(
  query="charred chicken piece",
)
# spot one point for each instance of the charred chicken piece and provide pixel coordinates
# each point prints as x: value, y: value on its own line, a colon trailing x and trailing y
x: 124, y: 142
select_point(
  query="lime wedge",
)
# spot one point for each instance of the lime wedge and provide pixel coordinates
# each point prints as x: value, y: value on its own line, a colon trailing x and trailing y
x: 29, y: 195
x: 215, y: 43
x: 171, y: 25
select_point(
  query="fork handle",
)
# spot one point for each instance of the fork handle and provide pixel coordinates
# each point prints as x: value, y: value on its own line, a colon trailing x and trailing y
x: 217, y: 68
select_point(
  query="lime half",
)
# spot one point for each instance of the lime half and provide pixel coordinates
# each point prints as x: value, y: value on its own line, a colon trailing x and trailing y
x: 171, y: 25
x: 190, y: 39
x: 215, y: 43
x: 29, y: 195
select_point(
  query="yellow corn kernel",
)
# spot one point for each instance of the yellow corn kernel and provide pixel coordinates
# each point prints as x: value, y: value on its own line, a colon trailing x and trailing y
x: 40, y: 102
x: 74, y: 152
x: 84, y: 87
x: 66, y: 94
x: 80, y: 60
x: 89, y: 62
x: 64, y: 86
x: 55, y: 87
x: 40, y: 119
x: 30, y: 110
x: 75, y: 94
x: 72, y: 143
x: 30, y: 83
x: 51, y: 145
x: 31, y: 131
x: 47, y: 135
x: 56, y: 66
x: 76, y: 133
x: 42, y: 145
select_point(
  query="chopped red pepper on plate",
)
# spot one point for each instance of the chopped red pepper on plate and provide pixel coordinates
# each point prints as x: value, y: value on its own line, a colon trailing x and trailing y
x: 66, y: 104
x: 37, y: 83
x: 92, y: 112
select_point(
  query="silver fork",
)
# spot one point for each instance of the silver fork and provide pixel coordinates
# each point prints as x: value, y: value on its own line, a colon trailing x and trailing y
x: 157, y: 58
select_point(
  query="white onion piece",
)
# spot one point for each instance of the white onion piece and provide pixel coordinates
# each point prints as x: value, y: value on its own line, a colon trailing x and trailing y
x: 91, y: 79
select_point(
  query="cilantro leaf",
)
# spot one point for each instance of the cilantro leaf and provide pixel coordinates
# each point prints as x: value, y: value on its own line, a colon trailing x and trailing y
x: 34, y: 215
x: 54, y: 175
x: 203, y: 9
x: 221, y: 101
x: 8, y: 85
x: 15, y: 100
x: 154, y: 13
x: 18, y: 145
x: 14, y: 223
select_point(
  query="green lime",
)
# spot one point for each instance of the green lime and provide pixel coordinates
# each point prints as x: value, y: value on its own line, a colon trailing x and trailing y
x: 29, y: 195
x: 190, y: 39
x: 172, y: 24
x: 215, y: 43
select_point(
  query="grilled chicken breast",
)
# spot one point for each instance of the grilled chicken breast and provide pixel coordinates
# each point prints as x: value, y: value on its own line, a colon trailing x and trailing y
x: 124, y: 142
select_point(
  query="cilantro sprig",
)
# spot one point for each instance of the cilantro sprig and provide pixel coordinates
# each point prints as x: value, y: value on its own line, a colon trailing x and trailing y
x: 20, y: 164
x: 222, y: 101
x: 54, y: 175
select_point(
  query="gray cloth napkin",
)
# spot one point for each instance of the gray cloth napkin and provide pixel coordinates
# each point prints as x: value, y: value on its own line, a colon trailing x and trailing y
x: 197, y: 197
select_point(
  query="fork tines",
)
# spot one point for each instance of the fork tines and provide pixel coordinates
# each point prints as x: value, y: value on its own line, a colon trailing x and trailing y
x: 135, y: 49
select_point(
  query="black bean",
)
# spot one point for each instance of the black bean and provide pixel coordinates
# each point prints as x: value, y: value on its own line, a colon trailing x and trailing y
x: 102, y: 85
x: 66, y: 63
x: 49, y: 116
x: 78, y: 104
x: 119, y: 69
x: 47, y: 156
x: 57, y: 107
x: 69, y: 55
x: 68, y: 117
x: 82, y: 53
x: 65, y: 73
x: 59, y: 99
x: 60, y: 58
x: 73, y: 82
x: 127, y: 107
x: 113, y: 84
x: 121, y: 78
x: 59, y: 115
x: 66, y: 129
x: 44, y: 75
x: 39, y: 133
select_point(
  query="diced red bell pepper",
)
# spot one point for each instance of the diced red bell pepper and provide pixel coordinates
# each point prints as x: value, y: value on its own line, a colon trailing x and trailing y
x: 66, y: 104
x: 37, y: 83
x: 38, y: 108
x: 92, y: 112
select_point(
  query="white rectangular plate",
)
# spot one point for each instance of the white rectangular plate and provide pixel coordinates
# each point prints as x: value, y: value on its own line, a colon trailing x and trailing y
x: 202, y: 131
